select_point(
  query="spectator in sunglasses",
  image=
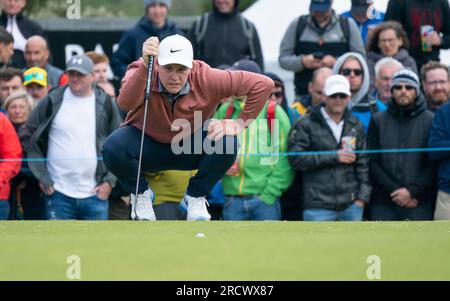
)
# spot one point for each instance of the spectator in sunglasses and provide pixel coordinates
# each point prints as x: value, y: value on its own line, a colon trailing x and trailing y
x: 278, y: 95
x: 336, y: 185
x: 315, y: 90
x: 354, y: 67
x: 35, y: 81
x: 388, y: 40
x: 403, y: 182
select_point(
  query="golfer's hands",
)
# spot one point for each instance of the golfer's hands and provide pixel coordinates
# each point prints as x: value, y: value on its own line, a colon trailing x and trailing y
x: 150, y: 48
x: 47, y: 190
x: 219, y: 128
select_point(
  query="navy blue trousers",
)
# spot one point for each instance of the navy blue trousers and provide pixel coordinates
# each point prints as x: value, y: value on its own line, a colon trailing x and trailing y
x: 121, y: 157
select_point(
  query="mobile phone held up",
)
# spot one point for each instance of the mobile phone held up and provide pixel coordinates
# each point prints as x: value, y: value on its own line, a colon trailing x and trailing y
x: 318, y: 55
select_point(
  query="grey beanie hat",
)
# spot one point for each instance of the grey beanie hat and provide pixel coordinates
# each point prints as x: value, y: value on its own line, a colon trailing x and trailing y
x: 407, y: 77
x: 167, y: 3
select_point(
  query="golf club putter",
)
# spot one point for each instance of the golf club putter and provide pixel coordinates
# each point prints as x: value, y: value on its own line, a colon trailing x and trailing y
x: 146, y: 99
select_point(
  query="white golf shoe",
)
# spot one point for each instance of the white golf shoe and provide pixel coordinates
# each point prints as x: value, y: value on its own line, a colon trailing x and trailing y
x: 196, y: 208
x: 142, y: 206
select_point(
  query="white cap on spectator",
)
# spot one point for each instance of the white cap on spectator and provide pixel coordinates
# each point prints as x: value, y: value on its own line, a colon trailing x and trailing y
x: 175, y: 49
x: 337, y: 84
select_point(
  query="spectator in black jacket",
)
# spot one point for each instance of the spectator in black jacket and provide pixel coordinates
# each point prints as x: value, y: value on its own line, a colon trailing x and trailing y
x: 413, y: 14
x: 224, y: 36
x: 336, y: 180
x: 403, y: 182
x: 153, y: 24
x: 19, y: 26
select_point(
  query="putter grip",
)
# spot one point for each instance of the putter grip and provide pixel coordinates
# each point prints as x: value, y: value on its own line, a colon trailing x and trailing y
x: 149, y: 77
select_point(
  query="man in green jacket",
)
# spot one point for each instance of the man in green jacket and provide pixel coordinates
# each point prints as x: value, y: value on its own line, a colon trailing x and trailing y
x: 260, y: 175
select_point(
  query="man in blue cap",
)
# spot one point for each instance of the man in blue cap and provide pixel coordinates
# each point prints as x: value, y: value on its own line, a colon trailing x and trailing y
x: 365, y: 16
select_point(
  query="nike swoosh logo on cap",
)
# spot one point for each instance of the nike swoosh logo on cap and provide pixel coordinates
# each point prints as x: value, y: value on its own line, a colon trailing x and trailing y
x: 173, y: 51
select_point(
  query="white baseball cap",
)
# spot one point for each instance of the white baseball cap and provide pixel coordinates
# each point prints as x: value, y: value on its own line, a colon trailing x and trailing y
x: 175, y: 49
x: 337, y: 84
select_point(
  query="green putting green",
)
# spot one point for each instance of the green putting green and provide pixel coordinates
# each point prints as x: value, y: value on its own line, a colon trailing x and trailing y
x: 228, y: 251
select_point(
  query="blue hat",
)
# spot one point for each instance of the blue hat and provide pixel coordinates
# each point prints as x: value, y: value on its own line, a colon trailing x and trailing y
x: 320, y: 5
x: 246, y: 65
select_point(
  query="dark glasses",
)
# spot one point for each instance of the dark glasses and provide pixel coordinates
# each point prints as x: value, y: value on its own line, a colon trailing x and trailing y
x: 408, y: 88
x: 278, y: 94
x: 338, y: 95
x: 348, y: 71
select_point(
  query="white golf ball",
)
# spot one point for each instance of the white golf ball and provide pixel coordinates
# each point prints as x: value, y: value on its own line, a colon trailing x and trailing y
x: 201, y: 235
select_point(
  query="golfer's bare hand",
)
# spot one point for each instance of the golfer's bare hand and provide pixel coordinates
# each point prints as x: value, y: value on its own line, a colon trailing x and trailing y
x: 47, y: 190
x: 150, y: 48
x: 103, y: 191
x: 346, y: 157
x: 219, y: 128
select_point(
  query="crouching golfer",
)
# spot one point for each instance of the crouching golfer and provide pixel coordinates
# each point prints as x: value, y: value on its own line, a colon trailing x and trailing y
x: 181, y: 88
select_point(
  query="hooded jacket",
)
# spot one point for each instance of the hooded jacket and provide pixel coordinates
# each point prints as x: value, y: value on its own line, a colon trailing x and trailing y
x: 401, y: 128
x: 130, y: 46
x: 362, y: 105
x: 224, y: 41
x: 412, y: 14
x: 327, y: 183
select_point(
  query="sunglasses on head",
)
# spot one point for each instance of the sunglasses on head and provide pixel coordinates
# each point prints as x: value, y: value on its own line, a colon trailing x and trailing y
x: 338, y: 95
x: 277, y: 94
x: 348, y: 71
x: 38, y: 76
x: 408, y: 88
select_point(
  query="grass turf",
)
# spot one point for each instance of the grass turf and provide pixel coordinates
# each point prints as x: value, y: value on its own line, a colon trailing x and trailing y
x: 229, y: 251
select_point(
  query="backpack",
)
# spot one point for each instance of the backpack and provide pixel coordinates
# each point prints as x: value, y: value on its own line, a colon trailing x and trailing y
x: 248, y: 28
x: 303, y: 22
x: 270, y: 113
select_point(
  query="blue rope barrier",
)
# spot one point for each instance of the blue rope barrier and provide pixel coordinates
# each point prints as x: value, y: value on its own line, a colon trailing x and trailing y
x: 289, y: 154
